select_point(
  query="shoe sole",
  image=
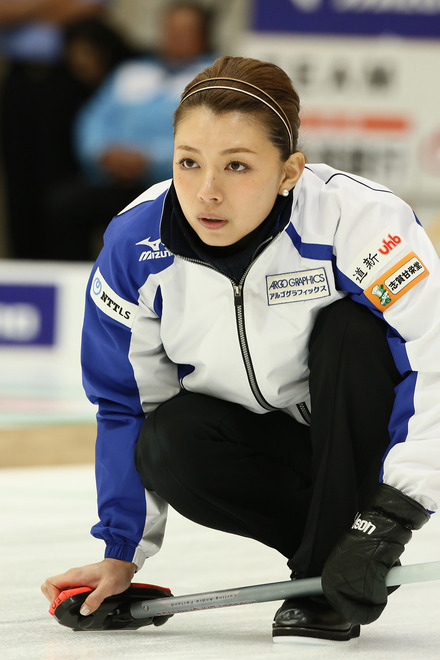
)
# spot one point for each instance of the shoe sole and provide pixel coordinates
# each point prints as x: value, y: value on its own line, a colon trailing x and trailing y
x: 294, y: 633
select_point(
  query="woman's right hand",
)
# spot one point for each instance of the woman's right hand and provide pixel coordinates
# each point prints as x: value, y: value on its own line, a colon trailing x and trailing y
x: 106, y: 578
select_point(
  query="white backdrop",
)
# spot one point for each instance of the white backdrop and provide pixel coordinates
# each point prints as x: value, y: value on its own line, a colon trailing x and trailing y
x: 370, y: 106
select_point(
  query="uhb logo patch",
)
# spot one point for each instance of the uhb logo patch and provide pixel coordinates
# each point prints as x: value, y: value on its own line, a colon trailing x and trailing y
x: 375, y: 256
x: 397, y: 281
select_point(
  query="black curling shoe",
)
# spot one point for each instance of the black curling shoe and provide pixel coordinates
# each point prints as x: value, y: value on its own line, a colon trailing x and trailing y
x: 311, y: 617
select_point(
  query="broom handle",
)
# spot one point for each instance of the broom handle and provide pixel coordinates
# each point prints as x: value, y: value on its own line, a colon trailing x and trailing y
x: 262, y: 593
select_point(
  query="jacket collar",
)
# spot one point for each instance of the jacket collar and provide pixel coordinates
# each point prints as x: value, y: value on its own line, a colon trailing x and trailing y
x: 180, y: 239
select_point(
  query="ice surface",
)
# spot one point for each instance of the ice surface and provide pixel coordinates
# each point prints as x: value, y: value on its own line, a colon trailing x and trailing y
x: 45, y: 518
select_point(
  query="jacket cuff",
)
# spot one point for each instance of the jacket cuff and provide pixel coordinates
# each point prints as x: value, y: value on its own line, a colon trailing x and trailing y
x: 400, y: 507
x: 120, y: 551
x: 126, y: 553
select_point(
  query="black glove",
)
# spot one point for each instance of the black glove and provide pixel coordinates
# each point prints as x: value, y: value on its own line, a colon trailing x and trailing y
x: 354, y: 575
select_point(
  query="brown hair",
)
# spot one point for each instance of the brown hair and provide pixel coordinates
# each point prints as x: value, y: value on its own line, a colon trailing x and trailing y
x: 268, y: 95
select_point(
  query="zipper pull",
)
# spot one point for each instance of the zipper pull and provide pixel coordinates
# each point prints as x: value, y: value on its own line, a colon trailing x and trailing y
x: 238, y: 297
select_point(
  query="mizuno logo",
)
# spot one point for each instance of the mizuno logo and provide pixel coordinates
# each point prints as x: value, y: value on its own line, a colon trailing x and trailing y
x: 154, y: 251
x: 153, y: 245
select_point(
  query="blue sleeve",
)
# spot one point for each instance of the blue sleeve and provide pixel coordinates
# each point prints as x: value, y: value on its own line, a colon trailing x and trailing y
x: 109, y: 382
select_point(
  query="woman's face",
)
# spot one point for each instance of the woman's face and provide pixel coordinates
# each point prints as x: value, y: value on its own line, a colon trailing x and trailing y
x: 227, y: 174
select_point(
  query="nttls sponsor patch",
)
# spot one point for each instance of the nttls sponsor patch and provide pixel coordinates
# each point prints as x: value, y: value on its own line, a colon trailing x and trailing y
x: 397, y: 281
x: 110, y: 302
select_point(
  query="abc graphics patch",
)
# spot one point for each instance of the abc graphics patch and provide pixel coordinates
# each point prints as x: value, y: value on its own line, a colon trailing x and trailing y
x: 299, y: 286
x: 397, y: 281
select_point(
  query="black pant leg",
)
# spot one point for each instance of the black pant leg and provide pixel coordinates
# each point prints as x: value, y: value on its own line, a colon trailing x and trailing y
x: 352, y: 381
x: 230, y: 469
x: 254, y: 475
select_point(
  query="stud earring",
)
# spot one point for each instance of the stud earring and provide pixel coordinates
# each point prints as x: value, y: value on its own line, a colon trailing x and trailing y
x: 285, y: 192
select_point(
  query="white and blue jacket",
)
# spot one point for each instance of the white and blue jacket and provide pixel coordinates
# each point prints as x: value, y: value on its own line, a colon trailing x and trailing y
x: 156, y: 321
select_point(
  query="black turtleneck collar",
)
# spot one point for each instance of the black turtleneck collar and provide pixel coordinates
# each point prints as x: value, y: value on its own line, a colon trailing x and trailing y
x: 231, y: 260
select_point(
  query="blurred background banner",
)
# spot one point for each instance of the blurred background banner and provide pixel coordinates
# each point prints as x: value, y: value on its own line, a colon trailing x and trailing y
x: 41, y: 311
x: 27, y: 315
x: 370, y: 105
x: 411, y: 18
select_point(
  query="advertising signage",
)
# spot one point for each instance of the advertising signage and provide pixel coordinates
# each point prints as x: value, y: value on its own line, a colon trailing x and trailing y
x: 27, y: 314
x: 408, y: 18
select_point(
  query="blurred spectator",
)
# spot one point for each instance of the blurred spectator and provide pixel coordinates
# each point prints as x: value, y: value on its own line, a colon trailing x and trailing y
x: 92, y: 49
x: 124, y: 136
x: 39, y: 99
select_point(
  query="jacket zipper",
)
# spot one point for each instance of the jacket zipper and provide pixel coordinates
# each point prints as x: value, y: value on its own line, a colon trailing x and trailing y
x: 304, y: 412
x: 238, y: 300
x: 247, y: 360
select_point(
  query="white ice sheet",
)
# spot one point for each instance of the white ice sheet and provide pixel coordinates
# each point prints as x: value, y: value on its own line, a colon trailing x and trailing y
x: 45, y: 518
